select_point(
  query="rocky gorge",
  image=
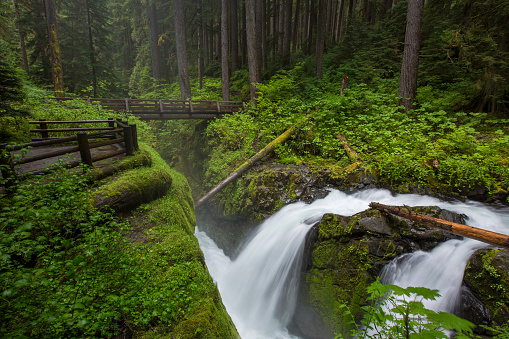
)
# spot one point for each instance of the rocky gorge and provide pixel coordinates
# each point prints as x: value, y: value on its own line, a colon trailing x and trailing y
x: 344, y: 254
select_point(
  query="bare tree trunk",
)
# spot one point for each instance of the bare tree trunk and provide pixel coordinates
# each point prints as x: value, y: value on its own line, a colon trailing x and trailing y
x: 341, y: 21
x: 351, y: 5
x: 56, y: 64
x: 224, y: 51
x: 180, y: 42
x: 244, y: 34
x: 410, y: 65
x: 154, y: 36
x: 312, y: 25
x: 92, y: 51
x: 21, y: 36
x: 201, y: 64
x: 280, y: 33
x: 320, y: 36
x: 259, y: 32
x: 263, y: 24
x: 306, y: 21
x: 252, y: 45
x: 296, y: 28
x: 234, y: 33
x: 287, y: 38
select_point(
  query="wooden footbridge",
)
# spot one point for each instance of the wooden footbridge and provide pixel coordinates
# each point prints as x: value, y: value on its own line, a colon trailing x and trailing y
x: 160, y: 109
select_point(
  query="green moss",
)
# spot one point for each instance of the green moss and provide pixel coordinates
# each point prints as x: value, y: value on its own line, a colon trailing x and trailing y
x: 490, y: 282
x: 338, y: 278
x: 177, y: 276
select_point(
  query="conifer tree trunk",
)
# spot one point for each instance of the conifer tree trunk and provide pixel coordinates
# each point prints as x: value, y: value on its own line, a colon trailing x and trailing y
x: 180, y: 41
x: 296, y: 28
x: 21, y: 37
x: 92, y: 51
x: 201, y: 35
x: 225, y: 77
x: 306, y: 21
x: 410, y: 65
x: 252, y: 45
x: 320, y: 36
x: 234, y: 33
x: 340, y: 25
x: 56, y: 63
x: 287, y: 37
x: 154, y: 36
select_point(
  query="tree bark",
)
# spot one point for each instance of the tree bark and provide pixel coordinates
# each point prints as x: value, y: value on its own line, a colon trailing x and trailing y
x: 296, y: 28
x: 287, y: 38
x: 92, y: 50
x: 493, y: 238
x: 21, y: 36
x: 154, y: 36
x: 201, y: 35
x: 234, y: 33
x: 340, y: 25
x: 410, y: 64
x: 225, y: 76
x: 180, y: 41
x: 320, y: 36
x: 252, y: 45
x: 56, y: 64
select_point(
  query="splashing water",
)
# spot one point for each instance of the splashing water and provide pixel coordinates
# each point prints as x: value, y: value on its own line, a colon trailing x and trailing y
x: 259, y: 288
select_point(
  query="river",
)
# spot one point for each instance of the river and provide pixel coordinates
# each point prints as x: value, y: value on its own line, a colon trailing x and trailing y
x: 259, y: 288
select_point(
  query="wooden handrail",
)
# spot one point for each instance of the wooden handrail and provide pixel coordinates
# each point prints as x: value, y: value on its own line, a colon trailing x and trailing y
x: 129, y: 138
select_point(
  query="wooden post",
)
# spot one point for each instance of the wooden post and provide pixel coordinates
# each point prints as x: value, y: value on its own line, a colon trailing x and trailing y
x: 161, y: 106
x: 86, y: 157
x: 134, y: 133
x: 126, y: 105
x: 128, y: 141
x: 44, y: 125
x: 493, y: 238
x: 191, y: 106
x: 218, y: 107
x: 111, y: 124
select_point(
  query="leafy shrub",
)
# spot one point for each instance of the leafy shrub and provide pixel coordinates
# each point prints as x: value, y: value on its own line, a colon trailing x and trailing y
x: 396, y: 312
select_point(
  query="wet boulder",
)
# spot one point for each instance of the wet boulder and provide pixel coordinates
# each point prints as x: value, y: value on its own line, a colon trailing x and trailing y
x: 487, y: 276
x: 346, y: 253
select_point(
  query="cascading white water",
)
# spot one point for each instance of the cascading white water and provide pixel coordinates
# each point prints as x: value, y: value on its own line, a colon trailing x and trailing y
x: 259, y: 287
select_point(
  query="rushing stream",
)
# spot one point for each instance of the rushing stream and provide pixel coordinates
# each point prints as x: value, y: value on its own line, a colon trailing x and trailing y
x: 259, y: 288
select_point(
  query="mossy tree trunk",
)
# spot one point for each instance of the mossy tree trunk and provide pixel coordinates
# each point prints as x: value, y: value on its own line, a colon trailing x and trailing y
x: 56, y: 64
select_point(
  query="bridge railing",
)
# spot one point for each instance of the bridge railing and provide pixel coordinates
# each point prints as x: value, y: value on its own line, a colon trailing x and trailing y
x: 162, y: 107
x: 80, y: 144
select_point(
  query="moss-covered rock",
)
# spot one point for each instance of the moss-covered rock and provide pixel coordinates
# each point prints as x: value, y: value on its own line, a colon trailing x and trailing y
x: 163, y: 231
x: 487, y: 275
x: 346, y: 254
x: 135, y: 186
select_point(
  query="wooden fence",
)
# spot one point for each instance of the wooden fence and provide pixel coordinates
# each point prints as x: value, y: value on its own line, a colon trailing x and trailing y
x: 85, y: 139
x: 158, y: 109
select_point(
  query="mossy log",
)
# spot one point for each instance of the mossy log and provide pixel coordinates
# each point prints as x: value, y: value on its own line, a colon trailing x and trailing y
x: 245, y: 166
x: 354, y: 156
x: 492, y: 238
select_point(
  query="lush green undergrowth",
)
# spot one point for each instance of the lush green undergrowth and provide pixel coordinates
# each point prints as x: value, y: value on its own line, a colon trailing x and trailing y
x: 71, y: 270
x: 431, y: 145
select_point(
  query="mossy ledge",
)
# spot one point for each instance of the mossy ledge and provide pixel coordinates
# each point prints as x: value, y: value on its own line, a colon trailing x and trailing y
x: 163, y: 229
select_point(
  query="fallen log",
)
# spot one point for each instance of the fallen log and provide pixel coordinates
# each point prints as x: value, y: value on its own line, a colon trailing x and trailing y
x: 245, y: 166
x: 492, y: 238
x: 354, y: 156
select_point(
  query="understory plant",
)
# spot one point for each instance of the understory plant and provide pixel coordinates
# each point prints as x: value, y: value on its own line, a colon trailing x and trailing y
x: 396, y: 312
x: 67, y: 270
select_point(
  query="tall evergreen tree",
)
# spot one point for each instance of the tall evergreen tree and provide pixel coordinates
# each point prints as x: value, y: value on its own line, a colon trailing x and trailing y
x: 410, y: 65
x: 180, y: 40
x: 54, y: 44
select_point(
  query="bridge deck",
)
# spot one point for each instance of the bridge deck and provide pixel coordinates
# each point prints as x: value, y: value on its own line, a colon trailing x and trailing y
x: 159, y: 109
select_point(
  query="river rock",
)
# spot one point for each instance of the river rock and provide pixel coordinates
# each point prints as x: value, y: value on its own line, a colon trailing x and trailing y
x: 487, y: 276
x: 345, y: 254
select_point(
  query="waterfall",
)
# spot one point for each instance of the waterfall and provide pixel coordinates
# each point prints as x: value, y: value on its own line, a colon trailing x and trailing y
x: 259, y: 288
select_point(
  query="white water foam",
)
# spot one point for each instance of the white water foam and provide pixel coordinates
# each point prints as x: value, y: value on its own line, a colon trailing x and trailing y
x: 259, y: 288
